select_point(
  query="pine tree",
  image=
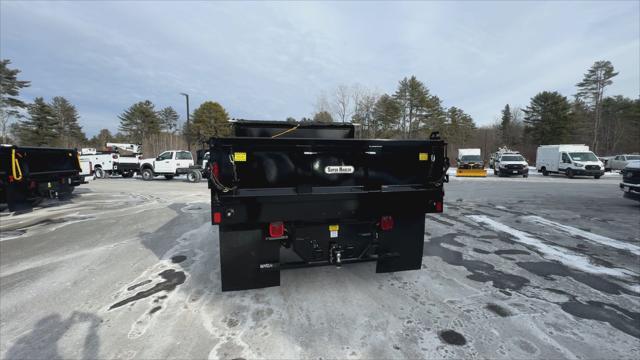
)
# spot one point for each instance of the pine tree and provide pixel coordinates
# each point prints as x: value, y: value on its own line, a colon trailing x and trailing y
x: 10, y: 88
x: 39, y: 129
x: 69, y: 131
x: 547, y: 118
x: 460, y: 126
x: 209, y: 120
x: 387, y: 114
x: 323, y: 117
x: 592, y: 86
x: 168, y: 119
x: 104, y: 136
x: 140, y: 121
x: 505, y: 126
x: 419, y: 108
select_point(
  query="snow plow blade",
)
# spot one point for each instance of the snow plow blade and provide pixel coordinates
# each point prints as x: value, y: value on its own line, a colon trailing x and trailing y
x: 471, y: 173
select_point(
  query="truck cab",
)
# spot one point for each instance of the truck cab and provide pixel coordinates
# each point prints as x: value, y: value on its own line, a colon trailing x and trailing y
x: 168, y: 163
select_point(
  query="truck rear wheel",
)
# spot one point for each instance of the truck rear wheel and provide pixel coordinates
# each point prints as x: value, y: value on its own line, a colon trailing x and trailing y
x: 147, y: 174
x: 194, y: 176
x: 99, y: 173
x: 545, y: 172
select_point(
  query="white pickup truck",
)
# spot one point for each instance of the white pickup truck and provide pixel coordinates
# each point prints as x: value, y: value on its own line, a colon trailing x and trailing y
x: 168, y: 164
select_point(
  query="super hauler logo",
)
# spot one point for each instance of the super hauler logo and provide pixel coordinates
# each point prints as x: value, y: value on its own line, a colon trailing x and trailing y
x: 343, y: 169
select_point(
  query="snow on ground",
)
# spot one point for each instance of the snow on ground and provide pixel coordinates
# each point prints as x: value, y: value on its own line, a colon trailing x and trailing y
x: 588, y: 236
x: 552, y: 252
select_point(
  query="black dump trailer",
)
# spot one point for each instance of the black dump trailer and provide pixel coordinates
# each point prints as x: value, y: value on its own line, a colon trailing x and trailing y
x: 287, y: 195
x: 29, y: 174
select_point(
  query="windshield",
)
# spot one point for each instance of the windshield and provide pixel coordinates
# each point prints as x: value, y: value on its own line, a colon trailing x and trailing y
x: 471, y: 158
x: 512, y: 158
x: 633, y: 157
x: 583, y: 156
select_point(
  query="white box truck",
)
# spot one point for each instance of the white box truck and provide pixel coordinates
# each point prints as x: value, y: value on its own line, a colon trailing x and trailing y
x: 571, y: 160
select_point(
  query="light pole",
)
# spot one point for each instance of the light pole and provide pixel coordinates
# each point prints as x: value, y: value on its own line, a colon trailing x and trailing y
x: 187, y: 127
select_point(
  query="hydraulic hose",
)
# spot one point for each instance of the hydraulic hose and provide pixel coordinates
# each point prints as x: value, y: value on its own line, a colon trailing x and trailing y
x: 16, y: 172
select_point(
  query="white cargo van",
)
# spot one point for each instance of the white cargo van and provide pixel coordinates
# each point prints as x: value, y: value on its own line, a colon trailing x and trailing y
x: 570, y: 160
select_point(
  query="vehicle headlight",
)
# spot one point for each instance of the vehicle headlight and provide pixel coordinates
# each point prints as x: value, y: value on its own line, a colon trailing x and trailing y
x: 579, y: 164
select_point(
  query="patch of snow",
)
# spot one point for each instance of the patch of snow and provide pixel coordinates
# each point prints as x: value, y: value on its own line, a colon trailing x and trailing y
x: 564, y: 256
x: 591, y: 237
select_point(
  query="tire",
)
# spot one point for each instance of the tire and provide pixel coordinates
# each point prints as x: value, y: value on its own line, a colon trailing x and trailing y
x: 194, y: 176
x: 569, y: 173
x: 525, y: 175
x: 99, y: 173
x: 147, y: 174
x: 545, y: 172
x: 596, y: 176
x: 127, y: 174
x: 168, y: 177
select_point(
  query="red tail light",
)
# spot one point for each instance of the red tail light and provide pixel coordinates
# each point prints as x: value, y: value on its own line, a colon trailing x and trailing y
x: 215, y: 170
x: 276, y: 229
x: 217, y: 217
x: 386, y: 223
x: 439, y: 206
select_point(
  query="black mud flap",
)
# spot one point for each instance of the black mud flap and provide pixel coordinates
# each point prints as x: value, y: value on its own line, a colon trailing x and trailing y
x: 17, y: 197
x: 401, y: 248
x: 247, y: 260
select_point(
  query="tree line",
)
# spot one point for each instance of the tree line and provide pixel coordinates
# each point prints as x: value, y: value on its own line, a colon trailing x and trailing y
x: 608, y: 124
x: 56, y: 123
x: 411, y: 112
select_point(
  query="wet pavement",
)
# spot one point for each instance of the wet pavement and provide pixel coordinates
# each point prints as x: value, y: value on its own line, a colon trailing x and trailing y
x: 544, y: 267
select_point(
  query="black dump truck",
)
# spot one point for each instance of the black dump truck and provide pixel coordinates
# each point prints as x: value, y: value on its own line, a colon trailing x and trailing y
x: 292, y: 195
x: 29, y: 174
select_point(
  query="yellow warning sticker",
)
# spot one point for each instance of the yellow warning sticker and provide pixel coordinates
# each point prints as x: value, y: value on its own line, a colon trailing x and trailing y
x: 240, y: 156
x: 423, y: 156
x: 334, y: 227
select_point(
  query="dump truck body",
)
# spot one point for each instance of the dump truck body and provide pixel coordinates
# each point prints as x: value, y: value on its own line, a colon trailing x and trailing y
x: 288, y: 202
x: 28, y: 174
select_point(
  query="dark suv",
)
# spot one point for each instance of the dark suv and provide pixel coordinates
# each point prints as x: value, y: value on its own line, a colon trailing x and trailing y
x: 630, y: 184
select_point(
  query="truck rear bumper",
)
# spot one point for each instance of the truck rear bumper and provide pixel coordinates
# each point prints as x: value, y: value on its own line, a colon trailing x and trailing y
x: 250, y: 260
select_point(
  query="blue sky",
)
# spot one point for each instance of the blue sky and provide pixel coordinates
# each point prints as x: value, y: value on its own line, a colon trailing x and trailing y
x: 271, y: 60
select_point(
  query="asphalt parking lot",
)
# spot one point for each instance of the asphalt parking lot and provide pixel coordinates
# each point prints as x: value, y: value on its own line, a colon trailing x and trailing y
x: 544, y: 267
